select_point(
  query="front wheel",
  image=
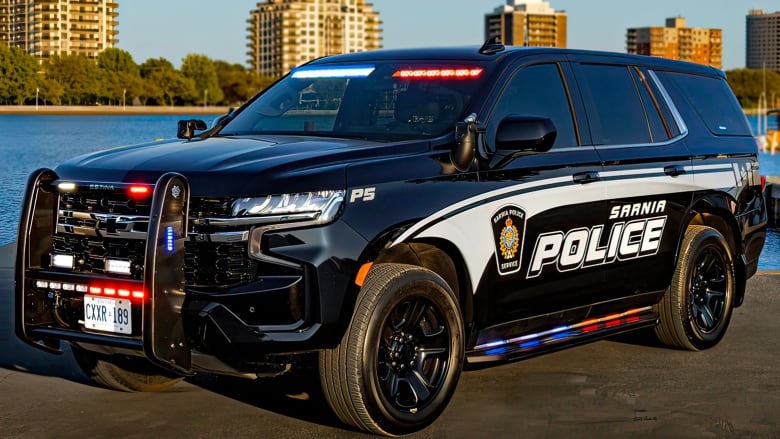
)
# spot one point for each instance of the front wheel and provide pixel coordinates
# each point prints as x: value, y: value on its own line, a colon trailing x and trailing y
x: 398, y: 364
x: 125, y: 373
x: 696, y: 309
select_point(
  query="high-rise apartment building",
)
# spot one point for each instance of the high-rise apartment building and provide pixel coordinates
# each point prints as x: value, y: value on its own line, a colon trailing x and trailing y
x: 284, y: 34
x: 527, y: 23
x: 59, y: 27
x: 675, y: 41
x: 763, y: 40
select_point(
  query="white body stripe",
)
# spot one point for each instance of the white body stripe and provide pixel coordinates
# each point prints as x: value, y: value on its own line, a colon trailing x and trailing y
x: 470, y: 230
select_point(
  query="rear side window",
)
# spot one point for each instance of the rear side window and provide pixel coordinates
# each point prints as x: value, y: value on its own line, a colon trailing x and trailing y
x: 615, y: 111
x: 713, y: 101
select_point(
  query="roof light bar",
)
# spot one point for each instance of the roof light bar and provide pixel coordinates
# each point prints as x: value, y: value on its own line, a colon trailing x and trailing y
x: 315, y: 72
x: 453, y: 73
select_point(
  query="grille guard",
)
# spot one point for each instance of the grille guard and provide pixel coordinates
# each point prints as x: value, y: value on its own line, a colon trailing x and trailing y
x: 164, y: 339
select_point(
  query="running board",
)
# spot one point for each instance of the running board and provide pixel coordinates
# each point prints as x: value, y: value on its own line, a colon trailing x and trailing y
x: 587, y: 330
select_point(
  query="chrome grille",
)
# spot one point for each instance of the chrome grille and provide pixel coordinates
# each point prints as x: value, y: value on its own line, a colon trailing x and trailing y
x: 95, y: 225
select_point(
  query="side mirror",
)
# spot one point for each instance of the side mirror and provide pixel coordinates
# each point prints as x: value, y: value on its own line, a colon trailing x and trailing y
x: 525, y: 134
x: 187, y: 128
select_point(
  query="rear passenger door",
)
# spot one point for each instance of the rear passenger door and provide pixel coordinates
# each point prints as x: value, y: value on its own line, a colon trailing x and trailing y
x: 647, y: 173
x: 543, y: 225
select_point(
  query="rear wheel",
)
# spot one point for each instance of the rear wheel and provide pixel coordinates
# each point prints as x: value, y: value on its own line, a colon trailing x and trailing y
x: 398, y: 364
x: 696, y: 309
x: 121, y: 372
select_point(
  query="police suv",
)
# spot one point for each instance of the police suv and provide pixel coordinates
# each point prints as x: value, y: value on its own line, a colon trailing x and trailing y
x: 400, y: 214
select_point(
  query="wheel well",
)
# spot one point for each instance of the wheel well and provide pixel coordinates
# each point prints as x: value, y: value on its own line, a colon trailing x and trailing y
x: 441, y: 258
x: 708, y: 215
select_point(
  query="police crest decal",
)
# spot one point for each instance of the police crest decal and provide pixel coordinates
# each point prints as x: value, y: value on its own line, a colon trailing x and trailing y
x: 508, y: 232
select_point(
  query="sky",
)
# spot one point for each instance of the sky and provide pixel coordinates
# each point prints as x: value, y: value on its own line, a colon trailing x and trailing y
x: 172, y: 29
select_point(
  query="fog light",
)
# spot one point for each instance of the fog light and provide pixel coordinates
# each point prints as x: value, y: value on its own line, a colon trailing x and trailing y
x: 62, y: 261
x: 117, y: 266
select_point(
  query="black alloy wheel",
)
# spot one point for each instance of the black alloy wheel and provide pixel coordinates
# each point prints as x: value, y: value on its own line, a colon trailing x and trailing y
x: 413, y: 354
x: 398, y: 364
x: 708, y: 289
x: 696, y: 309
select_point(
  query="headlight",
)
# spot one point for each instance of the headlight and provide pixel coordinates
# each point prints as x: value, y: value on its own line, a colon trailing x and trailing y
x: 320, y: 206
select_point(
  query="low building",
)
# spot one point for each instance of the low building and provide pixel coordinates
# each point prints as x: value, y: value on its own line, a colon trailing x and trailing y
x: 676, y: 41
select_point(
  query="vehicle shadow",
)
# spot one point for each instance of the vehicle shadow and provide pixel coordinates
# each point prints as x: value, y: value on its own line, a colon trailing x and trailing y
x: 297, y: 394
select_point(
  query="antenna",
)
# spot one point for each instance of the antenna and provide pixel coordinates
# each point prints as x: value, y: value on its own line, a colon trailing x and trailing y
x: 492, y: 45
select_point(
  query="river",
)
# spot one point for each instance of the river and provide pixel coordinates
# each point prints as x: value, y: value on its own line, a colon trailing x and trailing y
x: 31, y: 142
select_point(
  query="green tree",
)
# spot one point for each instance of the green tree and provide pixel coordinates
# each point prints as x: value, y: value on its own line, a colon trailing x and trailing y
x: 748, y: 84
x: 121, y: 76
x: 18, y: 75
x: 237, y: 84
x: 51, y: 91
x: 115, y: 60
x: 202, y: 71
x: 79, y: 77
x: 166, y: 85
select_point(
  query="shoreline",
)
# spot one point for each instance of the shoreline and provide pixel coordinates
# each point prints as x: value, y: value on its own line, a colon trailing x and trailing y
x: 113, y: 110
x: 92, y: 110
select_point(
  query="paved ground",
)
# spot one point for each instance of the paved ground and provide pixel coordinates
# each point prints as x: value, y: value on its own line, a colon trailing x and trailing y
x: 617, y: 388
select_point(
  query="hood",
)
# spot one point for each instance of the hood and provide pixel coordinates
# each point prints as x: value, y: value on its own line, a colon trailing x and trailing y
x: 236, y: 166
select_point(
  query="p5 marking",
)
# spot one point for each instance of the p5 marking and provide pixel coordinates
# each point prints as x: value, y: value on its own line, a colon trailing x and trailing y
x: 362, y: 194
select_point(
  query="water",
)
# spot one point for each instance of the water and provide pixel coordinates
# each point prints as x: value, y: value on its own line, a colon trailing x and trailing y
x: 31, y: 142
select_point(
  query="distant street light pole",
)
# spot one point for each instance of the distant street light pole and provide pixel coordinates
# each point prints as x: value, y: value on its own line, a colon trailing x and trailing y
x: 37, y: 91
x: 124, y: 99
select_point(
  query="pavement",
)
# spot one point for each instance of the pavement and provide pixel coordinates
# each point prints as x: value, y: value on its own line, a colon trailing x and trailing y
x: 622, y: 387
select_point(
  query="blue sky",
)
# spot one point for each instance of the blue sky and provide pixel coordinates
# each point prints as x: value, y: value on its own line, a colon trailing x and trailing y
x: 174, y: 28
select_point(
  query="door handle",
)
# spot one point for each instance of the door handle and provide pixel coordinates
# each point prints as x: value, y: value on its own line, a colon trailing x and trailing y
x: 674, y: 170
x: 586, y: 177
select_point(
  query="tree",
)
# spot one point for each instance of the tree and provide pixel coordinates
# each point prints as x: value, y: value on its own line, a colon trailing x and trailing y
x: 115, y: 60
x: 79, y: 77
x: 18, y: 75
x: 166, y: 85
x: 202, y: 71
x: 51, y: 91
x: 748, y: 84
x: 237, y: 84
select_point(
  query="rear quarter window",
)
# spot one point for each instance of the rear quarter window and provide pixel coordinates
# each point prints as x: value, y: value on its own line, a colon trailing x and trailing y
x: 713, y: 101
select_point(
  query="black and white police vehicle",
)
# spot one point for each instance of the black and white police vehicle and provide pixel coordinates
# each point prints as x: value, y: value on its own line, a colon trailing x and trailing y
x: 402, y: 213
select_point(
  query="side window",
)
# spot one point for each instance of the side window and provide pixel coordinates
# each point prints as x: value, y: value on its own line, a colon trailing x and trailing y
x: 663, y: 104
x: 537, y: 90
x: 615, y: 111
x: 658, y: 130
x: 713, y: 101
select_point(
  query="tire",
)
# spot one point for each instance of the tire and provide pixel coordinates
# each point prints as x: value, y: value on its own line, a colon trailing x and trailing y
x: 696, y: 309
x: 125, y: 373
x: 399, y: 361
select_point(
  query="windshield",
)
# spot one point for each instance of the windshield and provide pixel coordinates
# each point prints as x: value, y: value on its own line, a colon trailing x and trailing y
x: 376, y: 101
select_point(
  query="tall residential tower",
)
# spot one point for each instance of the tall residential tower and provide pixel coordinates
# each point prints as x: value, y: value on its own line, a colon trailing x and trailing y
x: 763, y: 40
x: 675, y: 41
x: 44, y: 28
x: 527, y: 23
x: 284, y: 34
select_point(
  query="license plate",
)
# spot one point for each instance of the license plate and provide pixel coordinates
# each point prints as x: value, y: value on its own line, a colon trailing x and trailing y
x: 107, y: 314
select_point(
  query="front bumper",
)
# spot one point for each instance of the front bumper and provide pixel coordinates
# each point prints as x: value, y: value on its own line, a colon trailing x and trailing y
x: 293, y: 303
x: 49, y: 303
